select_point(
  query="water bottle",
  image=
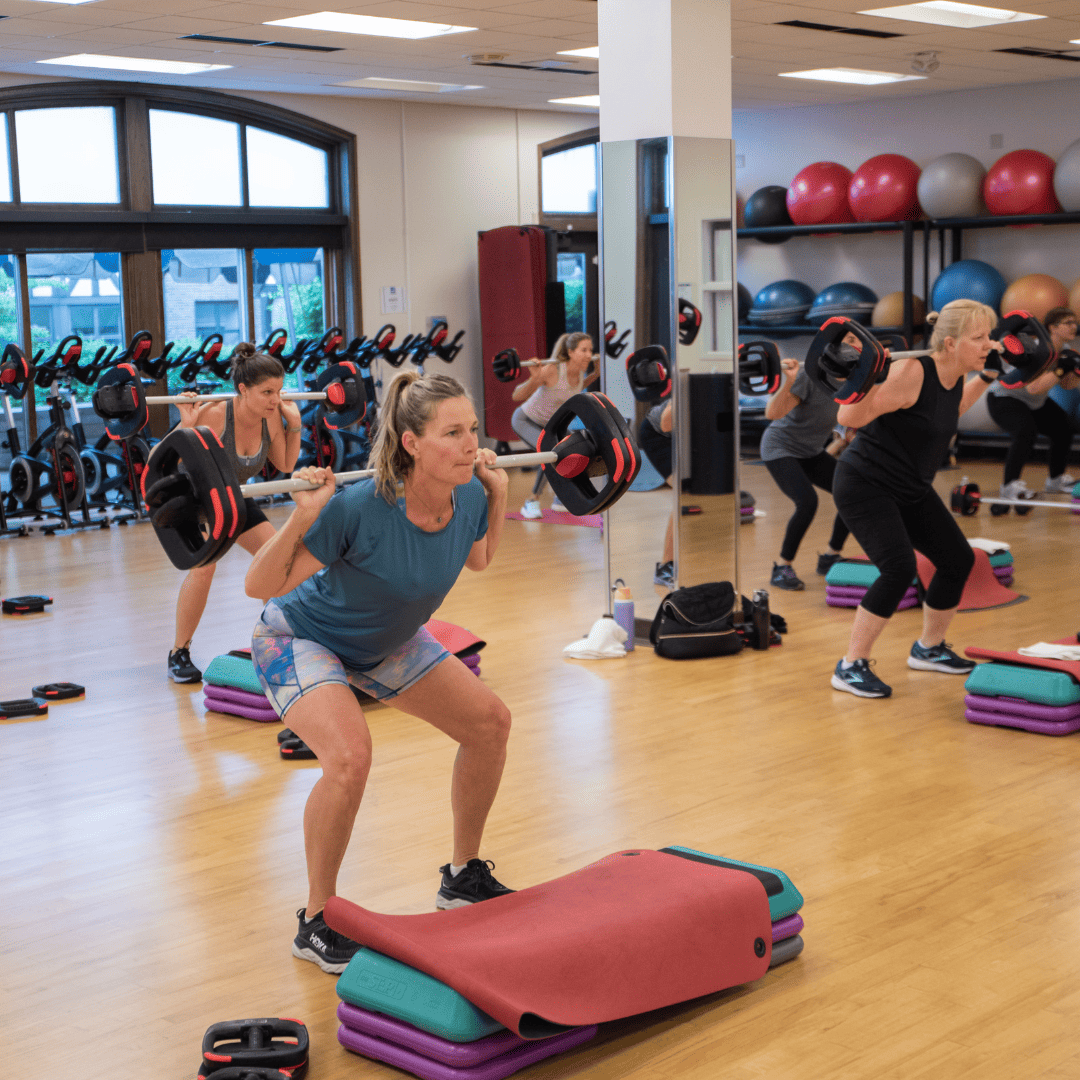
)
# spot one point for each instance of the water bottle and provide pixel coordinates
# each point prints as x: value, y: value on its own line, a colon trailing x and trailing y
x: 623, y: 610
x: 762, y: 625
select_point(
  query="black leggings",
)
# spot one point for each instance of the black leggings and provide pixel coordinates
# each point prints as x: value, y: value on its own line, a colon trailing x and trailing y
x: 890, y: 533
x: 796, y: 478
x: 1024, y: 425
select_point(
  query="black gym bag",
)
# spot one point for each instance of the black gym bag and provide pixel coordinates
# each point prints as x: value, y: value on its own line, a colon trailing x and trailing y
x: 696, y: 622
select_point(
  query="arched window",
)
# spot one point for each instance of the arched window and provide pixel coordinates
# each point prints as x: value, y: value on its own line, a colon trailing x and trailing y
x: 183, y: 212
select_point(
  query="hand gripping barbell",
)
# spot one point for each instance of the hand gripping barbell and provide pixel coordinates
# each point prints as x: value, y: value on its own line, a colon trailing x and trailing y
x: 198, y: 510
x: 965, y: 500
x: 850, y: 374
x: 121, y: 401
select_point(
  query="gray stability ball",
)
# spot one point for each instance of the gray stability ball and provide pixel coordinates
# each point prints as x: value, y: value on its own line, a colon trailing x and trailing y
x: 1067, y: 178
x: 951, y: 186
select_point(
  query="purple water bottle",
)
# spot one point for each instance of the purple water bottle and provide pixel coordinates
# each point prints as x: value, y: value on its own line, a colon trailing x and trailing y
x: 623, y: 610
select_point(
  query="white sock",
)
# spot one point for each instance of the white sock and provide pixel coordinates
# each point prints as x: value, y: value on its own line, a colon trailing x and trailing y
x: 455, y: 870
x: 845, y: 664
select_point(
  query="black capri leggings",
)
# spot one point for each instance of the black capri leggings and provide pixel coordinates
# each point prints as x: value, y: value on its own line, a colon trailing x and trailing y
x: 796, y: 478
x: 891, y: 532
x: 1025, y: 425
x: 656, y: 446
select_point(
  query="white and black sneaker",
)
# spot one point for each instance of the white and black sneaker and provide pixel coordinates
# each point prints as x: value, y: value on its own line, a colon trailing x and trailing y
x: 938, y: 658
x: 315, y: 941
x: 859, y: 680
x: 181, y: 669
x: 471, y: 885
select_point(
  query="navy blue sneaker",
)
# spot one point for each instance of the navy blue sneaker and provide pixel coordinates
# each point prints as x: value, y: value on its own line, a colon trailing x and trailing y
x: 938, y: 658
x: 859, y: 680
x: 473, y: 884
x: 784, y: 577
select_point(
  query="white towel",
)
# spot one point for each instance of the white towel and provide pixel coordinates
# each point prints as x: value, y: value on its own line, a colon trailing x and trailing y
x: 604, y: 642
x: 991, y: 547
x: 1047, y: 650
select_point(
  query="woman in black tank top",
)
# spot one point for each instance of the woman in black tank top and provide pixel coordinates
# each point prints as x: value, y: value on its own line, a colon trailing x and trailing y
x: 254, y: 427
x: 883, y: 489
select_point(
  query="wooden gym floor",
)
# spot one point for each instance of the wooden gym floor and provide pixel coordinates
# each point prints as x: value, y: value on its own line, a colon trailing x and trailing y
x: 152, y: 860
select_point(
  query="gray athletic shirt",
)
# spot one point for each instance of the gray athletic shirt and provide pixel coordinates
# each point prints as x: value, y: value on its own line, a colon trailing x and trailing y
x: 1025, y: 397
x: 801, y: 433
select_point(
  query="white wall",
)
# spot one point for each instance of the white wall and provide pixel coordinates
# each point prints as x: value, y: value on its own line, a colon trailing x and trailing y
x: 776, y: 143
x: 430, y: 178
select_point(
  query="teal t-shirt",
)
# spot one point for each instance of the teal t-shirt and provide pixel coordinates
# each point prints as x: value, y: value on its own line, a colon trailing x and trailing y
x: 383, y: 576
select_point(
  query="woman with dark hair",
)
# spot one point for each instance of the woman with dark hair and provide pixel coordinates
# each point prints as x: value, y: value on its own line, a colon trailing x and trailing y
x: 547, y: 388
x: 350, y: 582
x: 255, y: 426
x: 1029, y: 411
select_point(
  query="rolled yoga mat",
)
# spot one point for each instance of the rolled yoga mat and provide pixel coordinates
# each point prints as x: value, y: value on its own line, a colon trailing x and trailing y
x: 555, y: 955
x: 528, y: 1053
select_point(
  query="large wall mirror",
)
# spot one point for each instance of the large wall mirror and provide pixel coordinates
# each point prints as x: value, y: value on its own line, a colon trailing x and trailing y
x: 667, y: 259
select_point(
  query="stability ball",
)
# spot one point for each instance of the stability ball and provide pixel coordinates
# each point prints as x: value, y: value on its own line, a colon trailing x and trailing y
x: 1067, y: 178
x: 884, y: 188
x: 767, y: 207
x: 846, y: 299
x: 1074, y: 298
x: 819, y: 195
x: 745, y: 302
x: 780, y: 303
x: 951, y: 186
x: 968, y: 279
x: 889, y: 310
x: 1035, y: 293
x: 1021, y: 182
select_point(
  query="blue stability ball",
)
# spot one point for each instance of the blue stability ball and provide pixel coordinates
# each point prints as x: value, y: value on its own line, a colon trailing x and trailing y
x: 745, y: 302
x: 968, y: 279
x: 845, y: 299
x: 782, y: 302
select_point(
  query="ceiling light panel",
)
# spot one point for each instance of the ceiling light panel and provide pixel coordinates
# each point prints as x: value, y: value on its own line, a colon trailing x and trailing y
x: 950, y: 13
x: 856, y: 76
x: 593, y: 51
x: 416, y: 86
x: 591, y: 101
x: 337, y: 22
x: 134, y: 63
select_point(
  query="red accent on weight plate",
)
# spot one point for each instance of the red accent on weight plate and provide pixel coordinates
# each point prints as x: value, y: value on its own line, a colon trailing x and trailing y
x: 619, y: 458
x: 572, y: 465
x: 235, y: 512
x: 219, y: 515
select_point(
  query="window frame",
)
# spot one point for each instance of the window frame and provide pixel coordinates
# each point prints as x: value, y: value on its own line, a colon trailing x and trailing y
x: 563, y: 221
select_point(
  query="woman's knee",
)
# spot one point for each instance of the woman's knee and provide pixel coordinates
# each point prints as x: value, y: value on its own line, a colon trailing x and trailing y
x: 900, y: 569
x: 491, y: 727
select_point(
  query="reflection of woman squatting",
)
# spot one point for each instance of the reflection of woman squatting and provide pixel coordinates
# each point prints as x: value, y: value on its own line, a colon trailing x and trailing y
x: 544, y: 392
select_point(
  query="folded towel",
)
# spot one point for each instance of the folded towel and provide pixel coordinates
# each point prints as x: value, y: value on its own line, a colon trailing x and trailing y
x: 1047, y: 650
x: 604, y: 642
x: 991, y: 547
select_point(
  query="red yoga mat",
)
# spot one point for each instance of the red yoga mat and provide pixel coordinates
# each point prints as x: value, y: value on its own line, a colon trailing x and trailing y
x: 455, y: 639
x: 1070, y: 667
x: 636, y: 931
x: 982, y: 590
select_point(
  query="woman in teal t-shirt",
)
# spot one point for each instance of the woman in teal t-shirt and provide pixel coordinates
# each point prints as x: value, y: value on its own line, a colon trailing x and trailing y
x: 350, y: 582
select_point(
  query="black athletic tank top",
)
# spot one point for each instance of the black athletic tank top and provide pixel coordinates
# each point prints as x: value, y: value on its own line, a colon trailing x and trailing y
x: 246, y: 467
x: 901, y: 451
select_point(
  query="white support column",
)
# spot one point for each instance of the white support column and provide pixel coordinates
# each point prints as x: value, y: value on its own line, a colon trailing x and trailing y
x: 665, y: 69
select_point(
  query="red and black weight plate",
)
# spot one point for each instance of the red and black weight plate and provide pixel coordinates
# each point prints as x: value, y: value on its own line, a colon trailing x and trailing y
x: 10, y: 710
x: 59, y: 691
x: 24, y: 605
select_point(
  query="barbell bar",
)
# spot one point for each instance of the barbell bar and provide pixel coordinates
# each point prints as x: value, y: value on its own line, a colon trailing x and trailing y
x: 966, y: 499
x: 198, y: 399
x: 284, y: 487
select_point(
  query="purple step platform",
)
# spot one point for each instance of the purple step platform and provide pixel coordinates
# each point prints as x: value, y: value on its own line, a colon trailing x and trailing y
x: 494, y: 1068
x: 1024, y: 715
x: 787, y: 927
x: 459, y: 1055
x: 1004, y: 574
x: 858, y: 591
x: 909, y: 601
x: 225, y: 699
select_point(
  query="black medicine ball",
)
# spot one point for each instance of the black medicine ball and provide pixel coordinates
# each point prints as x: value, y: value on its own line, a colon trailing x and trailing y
x: 768, y: 207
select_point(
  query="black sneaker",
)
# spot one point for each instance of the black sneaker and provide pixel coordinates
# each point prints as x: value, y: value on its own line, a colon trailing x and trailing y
x: 826, y: 562
x: 784, y: 577
x: 664, y: 575
x: 472, y: 885
x: 859, y: 680
x: 938, y: 658
x: 181, y: 669
x: 315, y: 941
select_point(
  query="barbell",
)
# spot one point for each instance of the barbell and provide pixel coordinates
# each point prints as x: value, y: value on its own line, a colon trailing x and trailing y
x: 965, y: 499
x: 196, y: 503
x: 850, y: 375
x: 121, y: 401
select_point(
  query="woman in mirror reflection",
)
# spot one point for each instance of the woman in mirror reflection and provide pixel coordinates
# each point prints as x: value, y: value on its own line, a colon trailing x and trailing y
x: 803, y: 415
x: 544, y: 392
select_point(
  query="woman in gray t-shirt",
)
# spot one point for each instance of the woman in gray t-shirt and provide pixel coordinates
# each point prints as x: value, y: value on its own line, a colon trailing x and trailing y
x: 802, y: 415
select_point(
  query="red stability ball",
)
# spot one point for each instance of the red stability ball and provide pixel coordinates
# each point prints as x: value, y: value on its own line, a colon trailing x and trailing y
x: 819, y: 195
x: 885, y: 188
x: 1021, y: 182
